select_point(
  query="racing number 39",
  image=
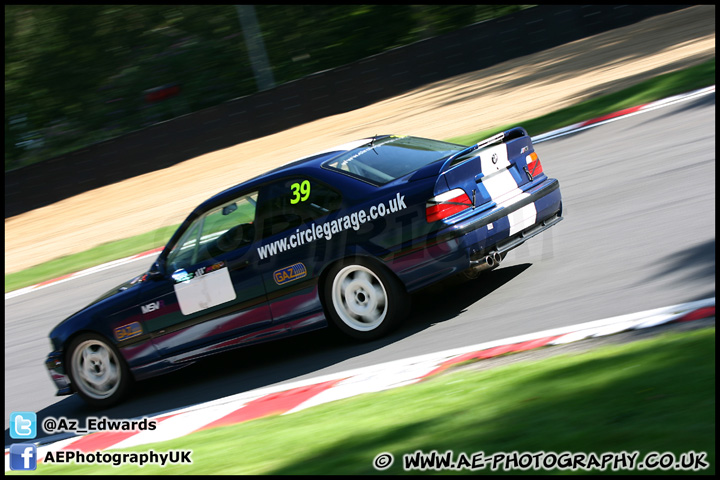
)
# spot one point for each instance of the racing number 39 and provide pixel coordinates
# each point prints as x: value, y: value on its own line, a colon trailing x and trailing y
x: 301, y: 191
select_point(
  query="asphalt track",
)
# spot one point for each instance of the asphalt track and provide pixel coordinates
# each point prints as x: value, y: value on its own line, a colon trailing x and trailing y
x: 639, y: 233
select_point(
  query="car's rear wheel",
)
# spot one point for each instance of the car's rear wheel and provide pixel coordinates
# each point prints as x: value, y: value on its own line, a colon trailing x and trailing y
x: 97, y: 370
x: 363, y: 300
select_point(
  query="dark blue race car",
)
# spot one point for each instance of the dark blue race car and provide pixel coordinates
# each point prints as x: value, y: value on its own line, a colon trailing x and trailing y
x: 341, y: 237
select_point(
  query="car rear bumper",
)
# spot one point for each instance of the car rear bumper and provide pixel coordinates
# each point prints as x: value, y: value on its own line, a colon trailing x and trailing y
x: 499, y: 229
x: 502, y: 228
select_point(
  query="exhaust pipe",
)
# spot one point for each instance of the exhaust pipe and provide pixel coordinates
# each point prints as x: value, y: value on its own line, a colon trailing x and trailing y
x: 485, y: 263
x: 491, y: 260
x: 488, y: 262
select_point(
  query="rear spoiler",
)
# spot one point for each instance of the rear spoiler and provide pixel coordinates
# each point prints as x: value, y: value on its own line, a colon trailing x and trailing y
x: 503, y: 137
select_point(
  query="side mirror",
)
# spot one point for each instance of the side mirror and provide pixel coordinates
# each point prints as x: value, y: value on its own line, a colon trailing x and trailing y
x: 155, y: 272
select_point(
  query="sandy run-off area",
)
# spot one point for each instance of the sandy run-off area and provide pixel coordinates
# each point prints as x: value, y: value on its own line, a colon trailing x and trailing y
x: 512, y: 91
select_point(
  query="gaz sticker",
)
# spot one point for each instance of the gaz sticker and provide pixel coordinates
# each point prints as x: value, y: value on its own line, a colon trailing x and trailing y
x: 289, y: 274
x: 128, y: 331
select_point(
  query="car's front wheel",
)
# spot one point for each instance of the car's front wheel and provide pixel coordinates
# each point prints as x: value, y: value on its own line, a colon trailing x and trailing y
x: 97, y: 371
x: 363, y: 300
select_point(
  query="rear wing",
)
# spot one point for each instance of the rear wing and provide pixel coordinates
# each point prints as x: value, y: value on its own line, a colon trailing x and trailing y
x: 502, y: 137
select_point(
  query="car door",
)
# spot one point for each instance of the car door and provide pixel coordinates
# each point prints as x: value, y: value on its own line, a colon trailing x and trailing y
x: 211, y: 293
x: 293, y: 246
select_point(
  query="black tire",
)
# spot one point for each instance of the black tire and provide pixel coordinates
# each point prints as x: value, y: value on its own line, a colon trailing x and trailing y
x: 97, y: 371
x: 363, y: 300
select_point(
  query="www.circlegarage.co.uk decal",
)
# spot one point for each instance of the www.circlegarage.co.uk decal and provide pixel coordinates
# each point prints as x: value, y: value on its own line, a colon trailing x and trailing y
x: 288, y: 274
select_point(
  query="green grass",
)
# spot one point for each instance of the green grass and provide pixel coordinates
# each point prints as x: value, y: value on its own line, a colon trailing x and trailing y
x: 654, y: 395
x: 657, y: 88
x: 90, y: 258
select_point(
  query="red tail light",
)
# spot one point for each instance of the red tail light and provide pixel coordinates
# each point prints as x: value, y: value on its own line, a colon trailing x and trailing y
x: 534, y: 165
x: 446, y: 204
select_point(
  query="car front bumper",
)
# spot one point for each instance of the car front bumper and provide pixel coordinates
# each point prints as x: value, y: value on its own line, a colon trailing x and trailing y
x: 54, y: 364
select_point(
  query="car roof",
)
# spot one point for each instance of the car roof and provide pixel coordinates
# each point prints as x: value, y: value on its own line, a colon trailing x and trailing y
x: 309, y: 165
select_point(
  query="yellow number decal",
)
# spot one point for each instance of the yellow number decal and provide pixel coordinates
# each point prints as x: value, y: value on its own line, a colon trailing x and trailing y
x: 301, y: 191
x: 305, y: 190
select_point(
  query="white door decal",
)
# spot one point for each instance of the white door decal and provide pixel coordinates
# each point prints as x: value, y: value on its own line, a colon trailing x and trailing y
x: 205, y: 291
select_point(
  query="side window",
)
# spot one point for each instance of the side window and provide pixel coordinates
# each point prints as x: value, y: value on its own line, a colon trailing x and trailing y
x: 182, y: 253
x: 219, y: 231
x: 289, y: 203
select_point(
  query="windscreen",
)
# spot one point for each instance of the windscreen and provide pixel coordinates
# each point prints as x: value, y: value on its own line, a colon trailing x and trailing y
x: 389, y: 158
